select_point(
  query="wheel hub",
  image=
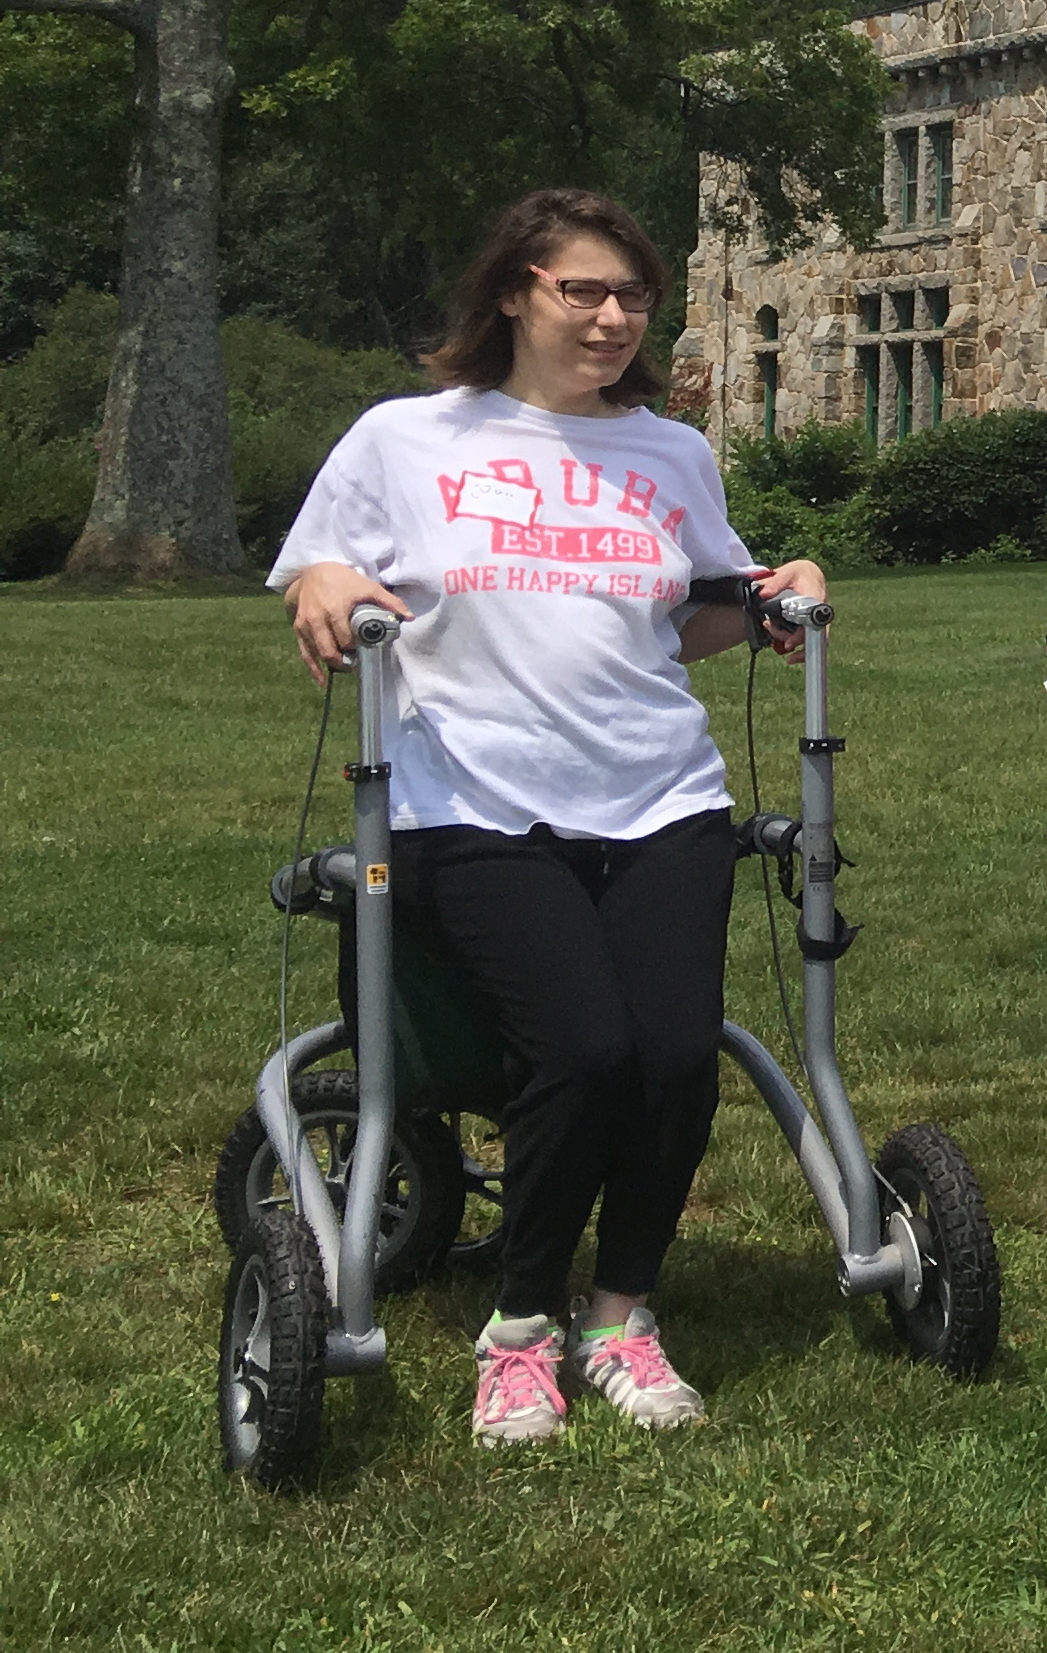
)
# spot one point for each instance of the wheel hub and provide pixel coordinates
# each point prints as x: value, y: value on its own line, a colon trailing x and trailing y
x: 901, y: 1231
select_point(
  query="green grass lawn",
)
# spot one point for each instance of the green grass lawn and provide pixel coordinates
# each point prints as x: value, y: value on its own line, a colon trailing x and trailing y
x: 838, y: 1498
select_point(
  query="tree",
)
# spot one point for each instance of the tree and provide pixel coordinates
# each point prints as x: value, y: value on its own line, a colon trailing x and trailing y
x: 411, y: 121
x: 164, y: 499
x: 369, y: 146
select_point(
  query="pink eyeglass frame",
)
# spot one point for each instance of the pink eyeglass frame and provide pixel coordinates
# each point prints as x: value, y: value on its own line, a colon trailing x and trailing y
x: 561, y: 282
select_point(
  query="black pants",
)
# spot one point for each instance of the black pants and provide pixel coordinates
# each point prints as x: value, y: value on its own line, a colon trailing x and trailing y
x: 605, y: 960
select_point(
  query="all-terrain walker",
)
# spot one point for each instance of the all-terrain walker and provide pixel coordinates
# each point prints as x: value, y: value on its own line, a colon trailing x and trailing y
x: 339, y: 1184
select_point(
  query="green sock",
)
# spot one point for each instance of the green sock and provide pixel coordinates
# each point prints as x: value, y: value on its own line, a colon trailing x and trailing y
x: 602, y: 1331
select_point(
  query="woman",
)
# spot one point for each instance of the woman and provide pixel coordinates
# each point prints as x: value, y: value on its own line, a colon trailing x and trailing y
x: 557, y: 803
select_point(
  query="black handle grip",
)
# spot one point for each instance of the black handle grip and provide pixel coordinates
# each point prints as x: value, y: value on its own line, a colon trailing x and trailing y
x: 739, y: 591
x: 729, y: 592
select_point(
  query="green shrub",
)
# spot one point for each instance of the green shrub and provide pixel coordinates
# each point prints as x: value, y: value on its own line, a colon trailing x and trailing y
x: 44, y: 500
x: 51, y: 403
x: 969, y: 488
x: 774, y: 524
x: 850, y: 536
x: 278, y: 369
x: 57, y: 389
x: 945, y: 494
x: 777, y: 527
x: 820, y: 465
x: 289, y: 402
x: 1002, y: 549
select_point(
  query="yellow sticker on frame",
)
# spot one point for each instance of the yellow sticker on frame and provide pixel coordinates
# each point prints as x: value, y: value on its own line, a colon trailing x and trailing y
x: 377, y: 878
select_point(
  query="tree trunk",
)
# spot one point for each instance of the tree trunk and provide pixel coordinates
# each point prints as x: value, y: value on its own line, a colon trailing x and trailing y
x: 164, y: 498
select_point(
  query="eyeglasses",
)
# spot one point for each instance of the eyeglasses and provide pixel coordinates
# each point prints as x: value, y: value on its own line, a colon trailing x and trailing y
x: 580, y: 294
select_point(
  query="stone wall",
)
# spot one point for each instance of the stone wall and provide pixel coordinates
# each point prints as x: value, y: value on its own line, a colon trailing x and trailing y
x: 947, y: 315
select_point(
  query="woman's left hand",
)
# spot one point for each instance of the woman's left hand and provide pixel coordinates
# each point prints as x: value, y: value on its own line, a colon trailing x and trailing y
x: 803, y: 577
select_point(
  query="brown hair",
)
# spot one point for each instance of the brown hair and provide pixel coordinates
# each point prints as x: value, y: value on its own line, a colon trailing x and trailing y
x: 478, y: 352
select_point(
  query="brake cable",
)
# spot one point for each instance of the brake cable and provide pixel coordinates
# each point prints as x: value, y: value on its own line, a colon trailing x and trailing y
x: 772, y: 924
x: 293, y: 1122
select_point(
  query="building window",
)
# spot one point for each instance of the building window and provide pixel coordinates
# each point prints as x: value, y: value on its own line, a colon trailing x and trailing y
x: 918, y: 175
x: 767, y: 359
x: 937, y: 299
x: 767, y: 322
x: 899, y: 383
x: 869, y: 311
x: 769, y: 375
x: 902, y: 354
x: 941, y: 152
x: 869, y: 367
x: 936, y: 375
x: 909, y: 158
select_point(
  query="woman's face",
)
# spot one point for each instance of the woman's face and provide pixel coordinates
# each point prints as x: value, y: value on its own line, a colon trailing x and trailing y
x: 573, y: 353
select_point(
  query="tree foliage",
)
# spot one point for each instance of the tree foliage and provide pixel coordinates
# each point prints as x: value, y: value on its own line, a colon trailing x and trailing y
x: 370, y: 144
x: 367, y: 150
x: 64, y: 134
x: 375, y: 143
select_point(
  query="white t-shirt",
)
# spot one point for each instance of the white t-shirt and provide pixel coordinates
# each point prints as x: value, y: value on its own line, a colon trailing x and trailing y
x: 544, y: 556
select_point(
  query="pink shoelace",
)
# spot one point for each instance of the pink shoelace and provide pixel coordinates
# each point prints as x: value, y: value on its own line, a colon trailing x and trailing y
x: 641, y: 1356
x: 519, y: 1378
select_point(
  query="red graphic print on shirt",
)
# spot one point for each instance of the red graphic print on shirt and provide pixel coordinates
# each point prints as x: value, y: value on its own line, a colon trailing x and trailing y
x: 569, y: 466
x: 575, y: 544
x: 505, y: 496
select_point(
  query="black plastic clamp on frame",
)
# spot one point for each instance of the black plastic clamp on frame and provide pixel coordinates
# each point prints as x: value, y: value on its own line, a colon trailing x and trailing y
x: 367, y: 771
x: 843, y: 935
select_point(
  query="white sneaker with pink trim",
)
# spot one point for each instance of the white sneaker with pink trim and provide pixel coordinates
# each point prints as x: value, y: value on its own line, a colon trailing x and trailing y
x: 517, y: 1398
x: 629, y: 1369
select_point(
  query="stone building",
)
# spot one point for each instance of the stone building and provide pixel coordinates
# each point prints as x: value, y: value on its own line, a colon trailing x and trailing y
x: 947, y: 313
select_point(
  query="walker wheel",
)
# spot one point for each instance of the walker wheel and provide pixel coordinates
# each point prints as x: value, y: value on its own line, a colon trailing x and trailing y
x: 481, y: 1236
x: 424, y: 1193
x: 272, y: 1350
x: 956, y: 1321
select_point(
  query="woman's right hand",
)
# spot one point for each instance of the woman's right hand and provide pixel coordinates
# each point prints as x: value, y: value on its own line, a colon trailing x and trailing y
x: 320, y: 602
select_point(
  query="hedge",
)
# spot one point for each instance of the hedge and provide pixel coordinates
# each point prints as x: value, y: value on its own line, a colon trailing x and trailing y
x: 969, y: 490
x: 949, y: 493
x: 289, y: 401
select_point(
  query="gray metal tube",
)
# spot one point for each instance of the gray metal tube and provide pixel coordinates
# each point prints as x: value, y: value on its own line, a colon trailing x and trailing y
x: 796, y: 1125
x: 819, y: 975
x: 859, y: 1273
x: 815, y: 683
x: 816, y: 784
x: 863, y: 1202
x: 375, y: 1074
x: 293, y: 1150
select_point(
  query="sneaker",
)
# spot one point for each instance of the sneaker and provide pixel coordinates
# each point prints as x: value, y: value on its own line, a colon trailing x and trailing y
x: 629, y: 1369
x: 517, y: 1398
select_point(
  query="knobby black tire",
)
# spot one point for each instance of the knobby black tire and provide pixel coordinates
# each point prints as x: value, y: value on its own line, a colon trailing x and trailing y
x: 327, y: 1097
x: 957, y: 1321
x: 417, y: 1232
x: 480, y: 1251
x: 276, y: 1313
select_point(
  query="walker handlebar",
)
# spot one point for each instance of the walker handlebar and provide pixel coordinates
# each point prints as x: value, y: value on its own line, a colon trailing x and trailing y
x: 321, y: 883
x: 371, y: 626
x: 788, y: 608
